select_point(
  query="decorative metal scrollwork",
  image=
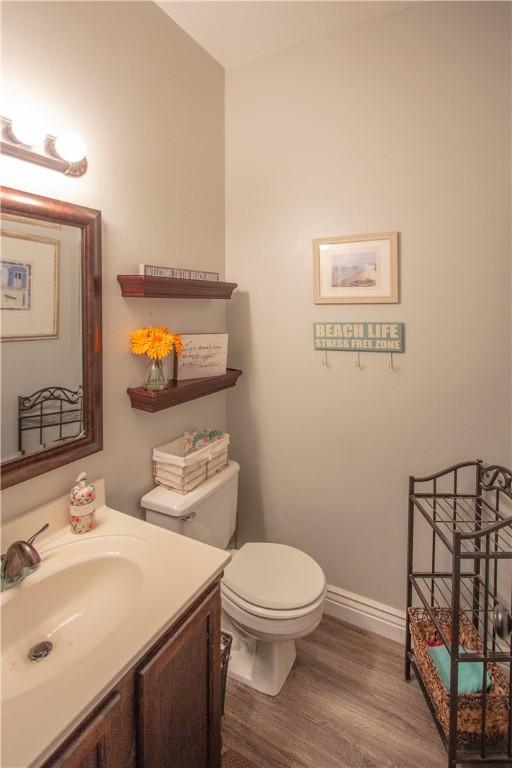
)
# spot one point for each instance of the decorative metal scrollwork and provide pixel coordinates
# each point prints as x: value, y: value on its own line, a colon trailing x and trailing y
x: 496, y: 478
x: 73, y: 397
x: 50, y: 408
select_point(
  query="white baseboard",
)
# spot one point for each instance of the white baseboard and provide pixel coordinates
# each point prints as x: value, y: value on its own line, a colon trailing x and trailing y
x: 367, y: 614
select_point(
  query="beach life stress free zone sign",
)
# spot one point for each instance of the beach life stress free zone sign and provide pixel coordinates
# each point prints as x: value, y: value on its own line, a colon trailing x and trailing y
x: 359, y: 337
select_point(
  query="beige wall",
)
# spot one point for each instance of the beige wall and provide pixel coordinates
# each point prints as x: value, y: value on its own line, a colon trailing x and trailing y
x: 150, y: 104
x: 403, y: 124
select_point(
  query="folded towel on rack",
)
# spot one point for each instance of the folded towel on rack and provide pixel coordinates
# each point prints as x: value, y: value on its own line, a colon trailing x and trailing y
x: 470, y: 672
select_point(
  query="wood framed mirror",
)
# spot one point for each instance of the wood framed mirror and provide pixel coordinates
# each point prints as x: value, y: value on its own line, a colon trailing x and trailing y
x: 50, y: 329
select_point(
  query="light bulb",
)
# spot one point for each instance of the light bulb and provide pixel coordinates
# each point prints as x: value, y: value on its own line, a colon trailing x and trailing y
x: 70, y: 147
x: 28, y: 130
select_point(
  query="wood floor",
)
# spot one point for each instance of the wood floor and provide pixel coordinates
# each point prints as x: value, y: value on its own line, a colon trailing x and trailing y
x: 344, y: 705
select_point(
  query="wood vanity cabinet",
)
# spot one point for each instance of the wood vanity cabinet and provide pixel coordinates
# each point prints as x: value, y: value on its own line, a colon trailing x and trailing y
x: 165, y: 712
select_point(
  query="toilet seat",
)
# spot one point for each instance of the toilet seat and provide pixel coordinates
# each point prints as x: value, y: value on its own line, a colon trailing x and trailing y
x: 270, y: 628
x: 272, y: 579
x: 271, y: 613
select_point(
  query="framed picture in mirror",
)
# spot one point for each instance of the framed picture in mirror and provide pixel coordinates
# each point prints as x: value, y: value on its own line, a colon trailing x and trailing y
x: 29, y: 268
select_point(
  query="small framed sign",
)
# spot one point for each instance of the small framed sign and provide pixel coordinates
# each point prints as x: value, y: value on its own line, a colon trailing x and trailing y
x: 153, y: 270
x: 205, y: 354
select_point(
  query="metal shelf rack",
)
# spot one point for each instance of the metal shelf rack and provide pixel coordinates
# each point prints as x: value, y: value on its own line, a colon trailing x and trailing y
x: 468, y: 510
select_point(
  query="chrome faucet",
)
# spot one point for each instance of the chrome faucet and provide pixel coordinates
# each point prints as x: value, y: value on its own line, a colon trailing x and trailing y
x: 20, y: 560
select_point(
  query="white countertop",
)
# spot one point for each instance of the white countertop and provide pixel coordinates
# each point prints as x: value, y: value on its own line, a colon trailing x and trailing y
x: 176, y: 570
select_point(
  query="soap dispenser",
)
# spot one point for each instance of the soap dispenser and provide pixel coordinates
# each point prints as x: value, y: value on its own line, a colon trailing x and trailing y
x: 82, y: 505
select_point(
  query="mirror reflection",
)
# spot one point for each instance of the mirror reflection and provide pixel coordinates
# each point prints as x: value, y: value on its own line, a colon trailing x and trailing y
x: 41, y: 334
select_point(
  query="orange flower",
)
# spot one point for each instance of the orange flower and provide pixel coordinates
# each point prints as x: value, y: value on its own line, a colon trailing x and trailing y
x: 178, y: 344
x: 155, y: 342
x: 160, y: 344
x: 139, y: 341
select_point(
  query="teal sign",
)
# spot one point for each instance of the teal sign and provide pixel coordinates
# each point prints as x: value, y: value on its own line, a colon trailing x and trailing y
x: 359, y: 337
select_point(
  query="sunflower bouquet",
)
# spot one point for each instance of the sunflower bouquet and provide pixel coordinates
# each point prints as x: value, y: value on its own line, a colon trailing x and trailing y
x: 156, y: 342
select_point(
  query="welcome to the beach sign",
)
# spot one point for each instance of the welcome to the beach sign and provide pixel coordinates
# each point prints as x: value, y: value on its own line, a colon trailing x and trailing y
x: 359, y: 337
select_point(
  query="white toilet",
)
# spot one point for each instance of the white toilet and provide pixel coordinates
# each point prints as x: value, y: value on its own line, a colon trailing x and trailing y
x: 271, y: 593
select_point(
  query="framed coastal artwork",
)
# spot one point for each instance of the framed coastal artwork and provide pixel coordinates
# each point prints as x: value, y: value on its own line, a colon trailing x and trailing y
x: 29, y: 301
x: 356, y: 269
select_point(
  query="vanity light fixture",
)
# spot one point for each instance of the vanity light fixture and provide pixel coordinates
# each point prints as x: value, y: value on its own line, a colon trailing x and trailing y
x: 26, y: 139
x: 70, y: 147
x: 31, y: 133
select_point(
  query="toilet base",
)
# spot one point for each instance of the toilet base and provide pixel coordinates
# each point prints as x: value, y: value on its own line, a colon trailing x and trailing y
x: 260, y: 664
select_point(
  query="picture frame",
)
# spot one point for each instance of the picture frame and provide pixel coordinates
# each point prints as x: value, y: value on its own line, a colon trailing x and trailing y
x: 29, y: 301
x: 356, y: 269
x: 204, y: 355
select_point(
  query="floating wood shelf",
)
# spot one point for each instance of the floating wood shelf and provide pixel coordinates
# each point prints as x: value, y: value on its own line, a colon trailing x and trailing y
x: 181, y: 391
x: 145, y: 287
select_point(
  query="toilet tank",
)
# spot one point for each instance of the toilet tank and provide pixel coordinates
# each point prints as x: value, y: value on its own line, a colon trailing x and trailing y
x: 208, y: 513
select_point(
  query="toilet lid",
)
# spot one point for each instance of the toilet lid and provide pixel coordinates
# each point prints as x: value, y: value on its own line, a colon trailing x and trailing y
x: 274, y: 576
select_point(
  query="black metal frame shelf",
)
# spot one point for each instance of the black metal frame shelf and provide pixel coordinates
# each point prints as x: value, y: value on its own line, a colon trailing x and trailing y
x: 470, y: 516
x: 468, y: 510
x: 33, y: 413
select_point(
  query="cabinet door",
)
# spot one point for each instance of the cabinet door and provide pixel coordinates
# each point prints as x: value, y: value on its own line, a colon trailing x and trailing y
x: 179, y: 695
x: 89, y: 748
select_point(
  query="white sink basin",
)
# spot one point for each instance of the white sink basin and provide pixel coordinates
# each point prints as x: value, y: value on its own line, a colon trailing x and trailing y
x: 83, y: 591
x: 101, y: 599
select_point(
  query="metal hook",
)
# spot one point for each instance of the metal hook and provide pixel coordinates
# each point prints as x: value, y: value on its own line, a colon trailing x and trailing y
x: 391, y: 363
x: 325, y: 360
x: 358, y: 362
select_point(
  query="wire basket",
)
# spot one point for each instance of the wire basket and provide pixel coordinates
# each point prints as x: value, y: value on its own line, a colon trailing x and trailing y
x: 469, y: 707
